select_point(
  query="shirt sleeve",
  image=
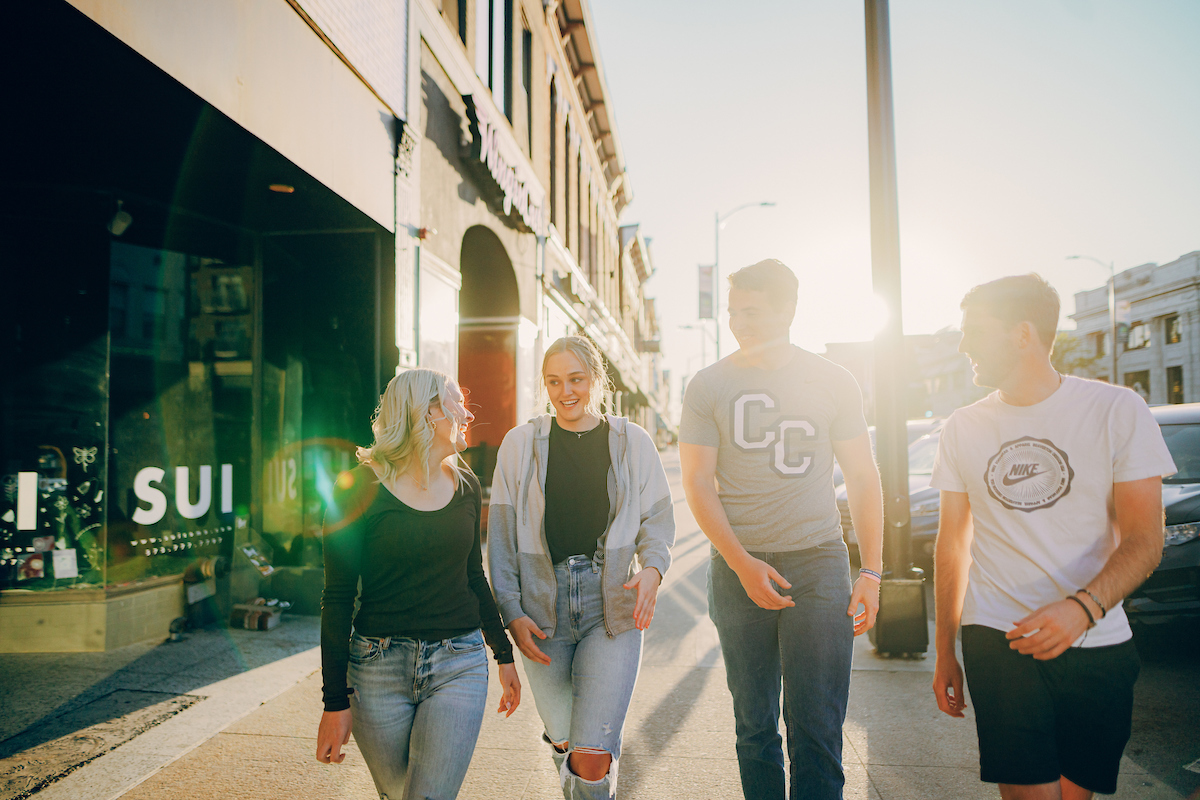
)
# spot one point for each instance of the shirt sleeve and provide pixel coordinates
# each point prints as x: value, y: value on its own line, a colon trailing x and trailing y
x: 1138, y: 447
x: 342, y: 538
x: 489, y: 616
x: 698, y: 422
x: 850, y: 422
x: 946, y: 473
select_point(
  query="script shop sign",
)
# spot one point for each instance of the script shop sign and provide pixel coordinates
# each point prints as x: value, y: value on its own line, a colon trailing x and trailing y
x: 485, y: 155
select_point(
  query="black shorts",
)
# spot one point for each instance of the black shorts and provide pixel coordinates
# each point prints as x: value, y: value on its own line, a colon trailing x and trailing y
x: 1037, y: 720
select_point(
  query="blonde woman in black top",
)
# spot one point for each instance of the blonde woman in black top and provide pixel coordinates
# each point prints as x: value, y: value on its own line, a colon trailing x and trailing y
x: 408, y: 673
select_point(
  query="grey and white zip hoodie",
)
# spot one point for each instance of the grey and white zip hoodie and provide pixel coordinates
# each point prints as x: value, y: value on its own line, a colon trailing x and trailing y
x: 640, y: 533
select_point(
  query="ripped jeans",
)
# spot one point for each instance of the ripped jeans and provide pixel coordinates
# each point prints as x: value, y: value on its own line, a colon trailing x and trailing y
x: 417, y: 709
x: 583, y: 694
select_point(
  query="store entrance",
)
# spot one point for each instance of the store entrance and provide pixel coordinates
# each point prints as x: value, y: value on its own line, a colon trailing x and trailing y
x: 193, y: 338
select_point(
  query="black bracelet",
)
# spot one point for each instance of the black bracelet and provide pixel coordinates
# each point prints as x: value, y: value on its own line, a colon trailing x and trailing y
x: 1086, y: 610
x: 1096, y: 600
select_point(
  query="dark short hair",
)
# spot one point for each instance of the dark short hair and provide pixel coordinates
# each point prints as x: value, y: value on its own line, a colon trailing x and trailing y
x: 1019, y: 298
x: 771, y: 276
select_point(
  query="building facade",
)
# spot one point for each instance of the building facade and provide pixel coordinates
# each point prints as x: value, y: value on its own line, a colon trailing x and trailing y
x: 1158, y: 311
x: 520, y: 186
x: 229, y: 225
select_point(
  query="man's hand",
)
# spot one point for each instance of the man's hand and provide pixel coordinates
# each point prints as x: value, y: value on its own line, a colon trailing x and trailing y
x: 332, y: 735
x: 646, y: 582
x: 1049, y: 631
x: 512, y: 689
x: 865, y: 594
x: 756, y: 576
x: 523, y: 630
x: 948, y: 686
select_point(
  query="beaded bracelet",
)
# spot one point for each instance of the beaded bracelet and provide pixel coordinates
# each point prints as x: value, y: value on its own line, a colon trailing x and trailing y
x: 1096, y: 600
x: 870, y: 573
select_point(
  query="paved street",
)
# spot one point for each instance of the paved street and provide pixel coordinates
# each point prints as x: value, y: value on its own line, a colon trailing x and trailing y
x: 252, y: 735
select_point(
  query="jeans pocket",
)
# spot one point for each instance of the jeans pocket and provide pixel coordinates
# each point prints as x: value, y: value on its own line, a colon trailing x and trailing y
x: 467, y: 643
x: 363, y: 650
x: 832, y: 546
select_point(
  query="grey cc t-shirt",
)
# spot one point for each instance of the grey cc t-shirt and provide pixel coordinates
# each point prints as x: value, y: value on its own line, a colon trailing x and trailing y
x: 774, y: 432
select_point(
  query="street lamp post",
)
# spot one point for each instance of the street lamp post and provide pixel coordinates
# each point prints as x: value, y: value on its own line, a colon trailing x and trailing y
x: 901, y: 626
x: 703, y: 341
x: 720, y: 221
x: 1112, y: 313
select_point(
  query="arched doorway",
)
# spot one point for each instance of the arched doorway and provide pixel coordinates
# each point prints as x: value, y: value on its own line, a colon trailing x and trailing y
x: 489, y: 327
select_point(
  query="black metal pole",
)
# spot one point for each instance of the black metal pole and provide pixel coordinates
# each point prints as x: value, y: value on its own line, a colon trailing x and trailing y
x: 901, y: 624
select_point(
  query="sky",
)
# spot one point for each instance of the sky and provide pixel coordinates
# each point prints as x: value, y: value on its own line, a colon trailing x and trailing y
x: 1026, y: 131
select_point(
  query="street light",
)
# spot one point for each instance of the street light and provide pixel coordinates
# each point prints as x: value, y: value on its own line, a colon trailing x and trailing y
x: 720, y: 222
x: 1112, y: 312
x: 704, y: 334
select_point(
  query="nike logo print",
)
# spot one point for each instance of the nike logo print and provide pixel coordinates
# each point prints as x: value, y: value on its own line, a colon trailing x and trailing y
x: 1009, y: 480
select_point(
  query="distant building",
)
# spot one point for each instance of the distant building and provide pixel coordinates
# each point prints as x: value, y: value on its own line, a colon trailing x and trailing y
x: 1159, y: 318
x: 940, y: 378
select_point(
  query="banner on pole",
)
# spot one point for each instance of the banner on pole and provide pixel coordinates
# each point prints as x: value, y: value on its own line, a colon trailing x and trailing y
x: 706, y: 292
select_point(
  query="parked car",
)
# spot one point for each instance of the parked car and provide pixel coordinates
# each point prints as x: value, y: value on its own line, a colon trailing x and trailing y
x: 916, y: 429
x: 923, y: 500
x: 1173, y: 589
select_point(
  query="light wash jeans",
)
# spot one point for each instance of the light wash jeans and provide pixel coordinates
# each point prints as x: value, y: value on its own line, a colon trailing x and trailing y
x: 417, y: 710
x: 583, y: 695
x: 806, y: 651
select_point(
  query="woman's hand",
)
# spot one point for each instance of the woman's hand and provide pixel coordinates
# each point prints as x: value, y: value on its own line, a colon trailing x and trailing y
x: 523, y: 630
x: 332, y: 734
x: 646, y: 582
x: 512, y: 689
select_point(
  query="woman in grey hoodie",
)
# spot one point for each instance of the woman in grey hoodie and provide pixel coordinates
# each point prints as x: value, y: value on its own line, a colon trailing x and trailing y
x: 580, y: 528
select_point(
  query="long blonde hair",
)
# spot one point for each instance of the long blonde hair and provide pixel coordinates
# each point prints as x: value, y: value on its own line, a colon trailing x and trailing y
x: 593, y: 363
x: 403, y: 430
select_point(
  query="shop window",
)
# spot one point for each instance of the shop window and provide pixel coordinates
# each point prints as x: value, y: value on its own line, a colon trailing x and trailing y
x: 527, y: 83
x: 1139, y: 381
x: 1099, y: 344
x: 579, y: 212
x: 154, y: 309
x: 1175, y: 385
x: 553, y: 153
x: 179, y: 414
x: 438, y: 326
x: 1173, y: 327
x: 455, y: 12
x: 53, y: 357
x: 1139, y: 336
x: 507, y: 55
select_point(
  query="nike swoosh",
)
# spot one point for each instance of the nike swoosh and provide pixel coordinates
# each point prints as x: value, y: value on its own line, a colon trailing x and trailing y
x: 1007, y: 481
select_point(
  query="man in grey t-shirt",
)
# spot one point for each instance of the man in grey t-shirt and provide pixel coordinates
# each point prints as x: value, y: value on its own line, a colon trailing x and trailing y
x: 758, y: 437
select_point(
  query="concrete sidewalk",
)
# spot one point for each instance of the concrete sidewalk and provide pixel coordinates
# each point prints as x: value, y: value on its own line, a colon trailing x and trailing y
x: 679, y: 739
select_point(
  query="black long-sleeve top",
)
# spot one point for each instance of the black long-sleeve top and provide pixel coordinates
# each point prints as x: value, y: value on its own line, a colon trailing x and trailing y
x: 422, y: 574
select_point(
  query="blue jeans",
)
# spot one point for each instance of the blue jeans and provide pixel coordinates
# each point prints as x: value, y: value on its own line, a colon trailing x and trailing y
x: 809, y: 648
x: 417, y: 709
x: 583, y: 694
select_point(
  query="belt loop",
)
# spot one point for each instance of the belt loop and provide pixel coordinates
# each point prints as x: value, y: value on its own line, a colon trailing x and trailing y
x: 387, y: 641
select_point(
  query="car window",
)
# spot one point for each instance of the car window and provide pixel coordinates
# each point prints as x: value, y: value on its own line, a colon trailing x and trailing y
x: 921, y: 454
x: 1184, y: 443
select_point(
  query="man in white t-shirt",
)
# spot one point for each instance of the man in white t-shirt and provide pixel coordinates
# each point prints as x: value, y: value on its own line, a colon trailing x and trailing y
x: 1051, y: 513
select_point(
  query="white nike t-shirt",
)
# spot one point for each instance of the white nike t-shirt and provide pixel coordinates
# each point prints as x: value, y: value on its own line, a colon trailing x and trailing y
x: 1040, y: 482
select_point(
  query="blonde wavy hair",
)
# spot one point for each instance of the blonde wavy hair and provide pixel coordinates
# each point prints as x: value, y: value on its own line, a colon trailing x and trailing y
x: 593, y: 363
x: 403, y: 430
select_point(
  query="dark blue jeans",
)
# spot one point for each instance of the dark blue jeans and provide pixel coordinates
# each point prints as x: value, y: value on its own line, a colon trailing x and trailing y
x: 808, y: 650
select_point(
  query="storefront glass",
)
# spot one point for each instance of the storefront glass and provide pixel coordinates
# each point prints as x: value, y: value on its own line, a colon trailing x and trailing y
x: 182, y: 371
x: 53, y: 406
